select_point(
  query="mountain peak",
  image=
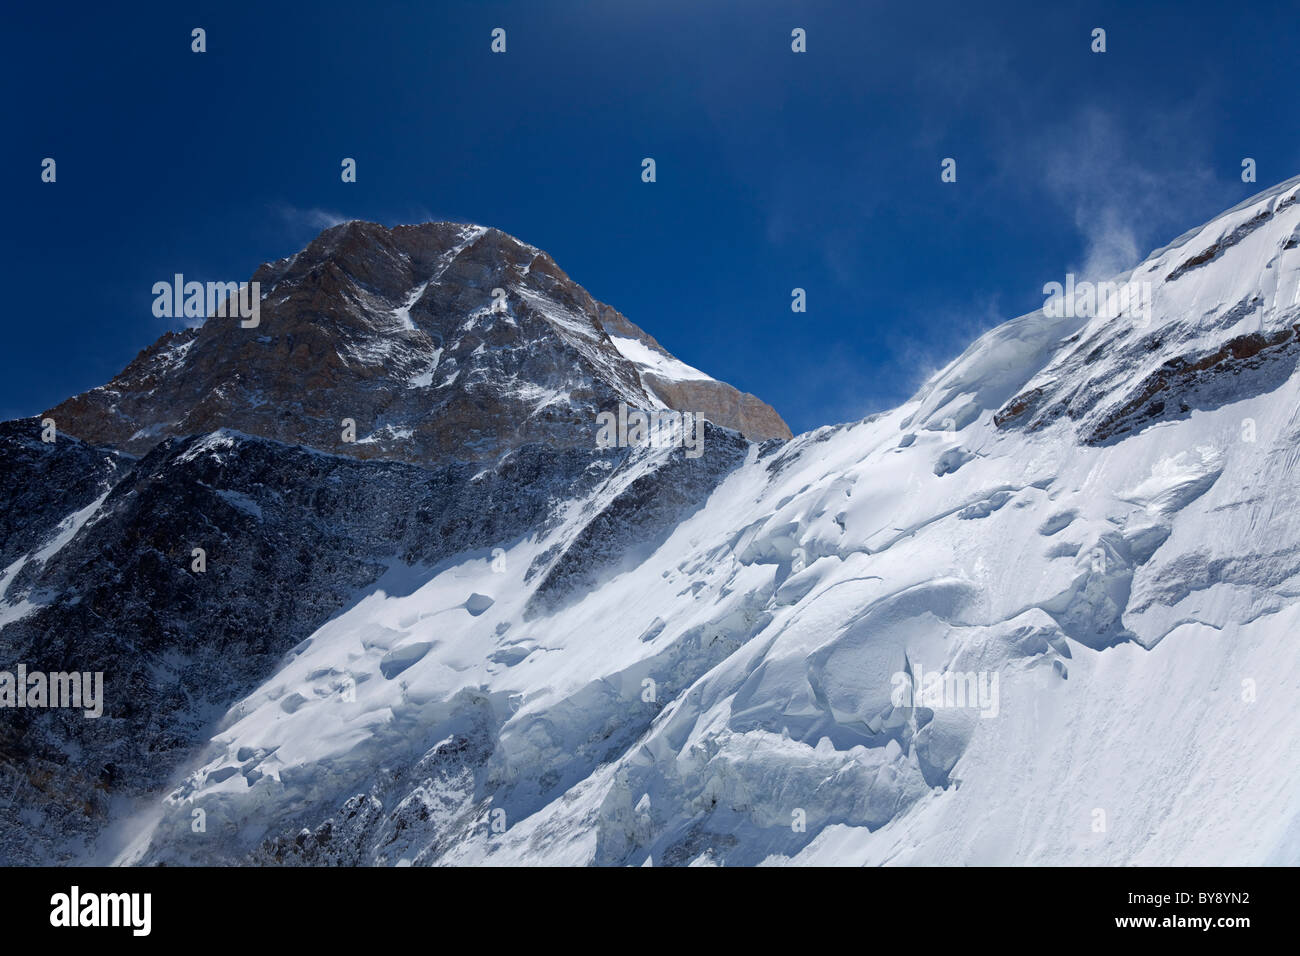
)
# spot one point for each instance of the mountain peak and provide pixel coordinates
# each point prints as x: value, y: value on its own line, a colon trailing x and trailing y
x: 890, y: 631
x: 437, y: 341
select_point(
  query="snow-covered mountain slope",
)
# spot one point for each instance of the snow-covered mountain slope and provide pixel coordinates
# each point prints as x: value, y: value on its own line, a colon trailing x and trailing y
x: 1088, y: 526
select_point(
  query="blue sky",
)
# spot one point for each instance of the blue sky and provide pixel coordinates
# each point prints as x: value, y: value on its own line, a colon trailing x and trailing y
x: 775, y: 169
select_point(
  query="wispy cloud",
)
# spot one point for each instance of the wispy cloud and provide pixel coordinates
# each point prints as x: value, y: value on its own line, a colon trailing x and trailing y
x: 953, y: 327
x: 1120, y: 205
x: 311, y: 220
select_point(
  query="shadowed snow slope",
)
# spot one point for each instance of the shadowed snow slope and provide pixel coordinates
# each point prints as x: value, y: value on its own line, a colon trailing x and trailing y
x: 1081, y: 540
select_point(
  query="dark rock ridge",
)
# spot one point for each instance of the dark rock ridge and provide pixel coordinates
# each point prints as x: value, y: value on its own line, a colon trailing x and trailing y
x: 1201, y: 378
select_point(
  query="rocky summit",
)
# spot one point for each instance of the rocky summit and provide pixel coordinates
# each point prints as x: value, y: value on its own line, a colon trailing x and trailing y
x: 399, y: 331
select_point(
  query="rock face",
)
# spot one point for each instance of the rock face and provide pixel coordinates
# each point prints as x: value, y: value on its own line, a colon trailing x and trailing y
x: 399, y: 331
x: 102, y: 579
x: 684, y: 388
